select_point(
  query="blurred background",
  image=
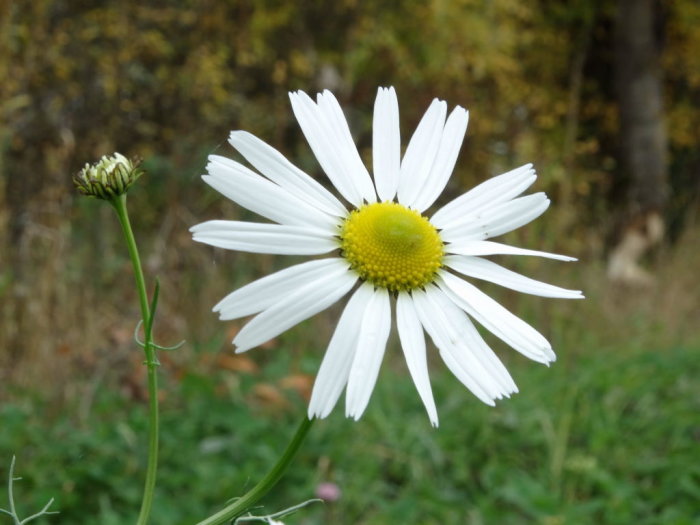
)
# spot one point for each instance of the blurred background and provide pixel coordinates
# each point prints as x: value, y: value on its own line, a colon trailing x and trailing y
x: 603, y: 97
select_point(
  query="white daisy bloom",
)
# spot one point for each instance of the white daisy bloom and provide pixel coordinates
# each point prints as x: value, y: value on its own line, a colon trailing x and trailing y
x: 384, y: 248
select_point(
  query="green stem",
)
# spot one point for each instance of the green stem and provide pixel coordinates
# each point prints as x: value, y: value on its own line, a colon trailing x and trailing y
x: 119, y: 204
x: 243, y: 503
x: 10, y: 495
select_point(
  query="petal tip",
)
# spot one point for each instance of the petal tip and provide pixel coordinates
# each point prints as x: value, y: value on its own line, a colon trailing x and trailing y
x: 236, y: 135
x: 239, y: 347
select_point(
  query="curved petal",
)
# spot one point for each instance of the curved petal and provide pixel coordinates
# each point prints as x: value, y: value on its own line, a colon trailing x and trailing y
x: 413, y: 346
x: 295, y: 308
x: 495, y: 318
x: 322, y: 145
x: 445, y: 159
x: 420, y: 153
x: 495, y: 248
x: 386, y: 143
x: 497, y: 220
x: 468, y: 337
x: 371, y: 343
x: 495, y: 273
x: 335, y: 368
x: 329, y: 107
x: 489, y: 193
x: 263, y: 293
x: 259, y: 195
x: 278, y: 169
x: 328, y: 135
x: 455, y: 355
x: 264, y: 238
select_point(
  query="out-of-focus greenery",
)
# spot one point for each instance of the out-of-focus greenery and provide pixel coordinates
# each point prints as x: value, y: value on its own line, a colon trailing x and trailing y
x: 607, y: 435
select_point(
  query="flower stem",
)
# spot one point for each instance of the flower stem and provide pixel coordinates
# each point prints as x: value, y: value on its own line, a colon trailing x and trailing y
x: 119, y: 204
x: 240, y: 505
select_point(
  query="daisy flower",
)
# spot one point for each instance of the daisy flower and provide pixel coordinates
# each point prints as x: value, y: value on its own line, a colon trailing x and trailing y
x: 382, y: 245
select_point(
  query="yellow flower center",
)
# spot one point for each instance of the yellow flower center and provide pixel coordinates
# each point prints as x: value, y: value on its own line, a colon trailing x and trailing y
x: 391, y: 246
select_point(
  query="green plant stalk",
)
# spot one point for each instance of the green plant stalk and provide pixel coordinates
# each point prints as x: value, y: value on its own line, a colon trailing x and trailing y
x: 249, y: 499
x: 119, y: 204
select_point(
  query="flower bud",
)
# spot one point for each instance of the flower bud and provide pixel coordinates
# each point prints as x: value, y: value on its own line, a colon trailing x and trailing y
x: 108, y: 178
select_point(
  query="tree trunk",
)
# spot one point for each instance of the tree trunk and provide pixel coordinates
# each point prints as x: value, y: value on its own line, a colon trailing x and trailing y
x: 643, y: 141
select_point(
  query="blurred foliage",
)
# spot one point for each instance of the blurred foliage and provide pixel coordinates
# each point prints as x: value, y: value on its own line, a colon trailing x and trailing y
x: 87, y: 78
x: 167, y: 80
x: 84, y: 78
x: 584, y: 445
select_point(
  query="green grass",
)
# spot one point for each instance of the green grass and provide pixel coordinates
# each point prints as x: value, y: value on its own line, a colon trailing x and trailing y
x: 604, y: 436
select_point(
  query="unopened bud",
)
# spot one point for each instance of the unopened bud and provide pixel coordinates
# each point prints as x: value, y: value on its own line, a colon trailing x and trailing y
x: 108, y: 178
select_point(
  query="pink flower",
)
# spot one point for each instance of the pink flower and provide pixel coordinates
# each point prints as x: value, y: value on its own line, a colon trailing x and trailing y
x: 328, y: 491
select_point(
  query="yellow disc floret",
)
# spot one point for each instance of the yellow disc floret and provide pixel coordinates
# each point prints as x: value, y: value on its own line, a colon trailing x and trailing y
x: 391, y: 246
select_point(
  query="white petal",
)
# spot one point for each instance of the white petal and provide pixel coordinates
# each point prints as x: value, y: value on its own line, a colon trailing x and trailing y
x: 492, y: 272
x: 321, y: 144
x: 327, y: 133
x: 420, y: 153
x: 413, y: 346
x: 371, y: 343
x: 489, y: 193
x: 468, y: 336
x: 294, y: 308
x: 435, y: 323
x: 263, y: 293
x: 450, y: 144
x: 264, y: 238
x: 496, y: 220
x: 335, y: 367
x: 345, y: 145
x: 278, y: 169
x: 495, y: 248
x: 495, y: 318
x: 386, y: 143
x: 250, y: 190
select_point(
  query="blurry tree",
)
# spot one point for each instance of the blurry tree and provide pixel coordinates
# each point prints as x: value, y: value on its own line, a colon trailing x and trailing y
x: 643, y: 141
